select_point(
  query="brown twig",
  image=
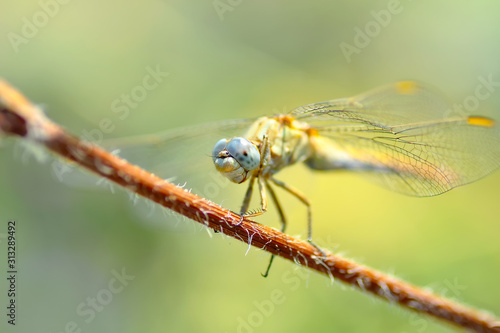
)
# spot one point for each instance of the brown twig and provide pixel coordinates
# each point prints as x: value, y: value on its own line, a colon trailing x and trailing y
x: 20, y: 118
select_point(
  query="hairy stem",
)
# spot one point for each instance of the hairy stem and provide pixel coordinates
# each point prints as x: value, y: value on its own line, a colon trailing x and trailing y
x: 18, y: 117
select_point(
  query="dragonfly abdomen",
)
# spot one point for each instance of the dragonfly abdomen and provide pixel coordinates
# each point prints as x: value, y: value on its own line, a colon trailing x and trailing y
x: 326, y: 155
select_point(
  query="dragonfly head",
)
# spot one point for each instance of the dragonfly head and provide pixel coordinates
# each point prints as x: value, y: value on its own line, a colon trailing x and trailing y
x: 235, y: 158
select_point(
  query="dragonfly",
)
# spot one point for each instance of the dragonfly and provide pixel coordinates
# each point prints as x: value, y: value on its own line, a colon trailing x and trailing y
x: 403, y: 136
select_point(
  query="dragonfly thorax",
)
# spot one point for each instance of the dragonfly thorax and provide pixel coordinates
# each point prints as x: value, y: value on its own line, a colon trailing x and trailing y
x: 235, y: 158
x: 287, y: 142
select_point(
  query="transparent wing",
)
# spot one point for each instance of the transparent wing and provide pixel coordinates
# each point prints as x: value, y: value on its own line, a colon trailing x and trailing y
x: 405, y: 137
x: 180, y: 155
x: 183, y: 156
x: 387, y: 106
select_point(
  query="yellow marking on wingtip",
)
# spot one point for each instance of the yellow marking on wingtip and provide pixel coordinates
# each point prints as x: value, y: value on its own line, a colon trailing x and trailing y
x: 480, y: 121
x: 407, y: 87
x: 312, y: 132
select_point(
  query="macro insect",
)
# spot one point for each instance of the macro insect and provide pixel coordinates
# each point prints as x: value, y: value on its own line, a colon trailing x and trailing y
x: 403, y: 136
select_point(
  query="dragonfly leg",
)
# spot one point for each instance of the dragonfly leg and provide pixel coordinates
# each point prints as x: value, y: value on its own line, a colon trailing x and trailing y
x: 265, y: 151
x: 263, y: 195
x: 306, y: 202
x: 264, y: 156
x: 246, y: 201
x: 248, y: 196
x: 274, y: 198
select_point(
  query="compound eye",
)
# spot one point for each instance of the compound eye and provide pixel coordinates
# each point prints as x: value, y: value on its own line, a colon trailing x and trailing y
x: 244, y: 152
x: 219, y: 146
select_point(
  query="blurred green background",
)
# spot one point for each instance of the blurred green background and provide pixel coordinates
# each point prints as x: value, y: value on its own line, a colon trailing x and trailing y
x: 237, y: 59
